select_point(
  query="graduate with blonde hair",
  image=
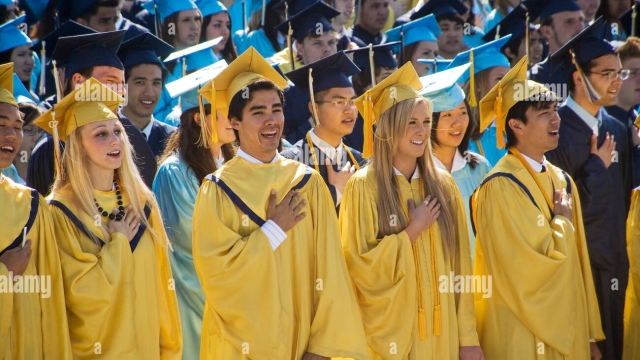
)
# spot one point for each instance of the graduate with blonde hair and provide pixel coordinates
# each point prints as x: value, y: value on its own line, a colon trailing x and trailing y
x: 118, y: 285
x: 33, y: 321
x: 403, y: 224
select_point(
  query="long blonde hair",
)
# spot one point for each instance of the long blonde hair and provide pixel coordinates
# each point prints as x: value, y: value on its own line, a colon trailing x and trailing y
x: 393, y: 124
x: 76, y: 182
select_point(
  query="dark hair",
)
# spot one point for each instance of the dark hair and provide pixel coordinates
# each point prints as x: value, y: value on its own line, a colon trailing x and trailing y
x: 464, y: 145
x: 451, y: 17
x: 362, y: 80
x: 5, y: 13
x: 603, y: 10
x: 5, y: 56
x: 184, y: 141
x: 30, y: 112
x: 127, y: 73
x: 47, y: 23
x: 271, y: 20
x: 513, y: 45
x: 92, y: 10
x: 548, y: 21
x: 239, y: 101
x: 586, y: 68
x: 229, y: 53
x: 68, y: 84
x: 519, y: 112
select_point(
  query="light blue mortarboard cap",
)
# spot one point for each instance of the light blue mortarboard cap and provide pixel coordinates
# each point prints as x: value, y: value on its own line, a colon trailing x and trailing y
x: 442, y: 88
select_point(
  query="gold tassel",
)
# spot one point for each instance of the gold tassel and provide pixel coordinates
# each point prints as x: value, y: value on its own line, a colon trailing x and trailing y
x: 472, y: 83
x: 497, y: 32
x: 500, y: 125
x: 203, y: 140
x: 437, y: 321
x: 590, y: 92
x: 367, y: 150
x: 437, y: 317
x: 214, y: 113
x: 372, y: 66
x: 422, y: 324
x: 290, y: 45
x: 316, y: 121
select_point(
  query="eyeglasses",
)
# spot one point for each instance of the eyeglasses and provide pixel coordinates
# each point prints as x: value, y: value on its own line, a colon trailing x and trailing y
x: 32, y: 131
x: 612, y: 75
x: 341, y: 104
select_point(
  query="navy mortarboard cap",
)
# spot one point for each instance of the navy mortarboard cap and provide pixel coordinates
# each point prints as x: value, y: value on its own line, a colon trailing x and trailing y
x: 210, y: 7
x: 436, y: 65
x: 442, y: 88
x: 167, y: 8
x: 382, y: 56
x: 550, y: 7
x: 143, y: 49
x: 34, y: 9
x: 70, y: 28
x: 328, y: 73
x: 20, y: 92
x: 584, y: 47
x: 85, y: 51
x: 439, y: 8
x: 187, y: 87
x: 73, y: 9
x: 630, y: 22
x: 12, y: 34
x: 515, y: 23
x: 422, y: 29
x: 311, y: 19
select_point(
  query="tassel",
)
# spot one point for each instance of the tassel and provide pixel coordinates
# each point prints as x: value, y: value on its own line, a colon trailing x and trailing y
x: 292, y: 60
x: 372, y: 67
x: 497, y: 32
x: 472, y: 83
x: 422, y: 324
x: 53, y: 124
x: 264, y: 11
x: 314, y: 113
x: 526, y: 36
x: 367, y: 150
x: 56, y: 78
x: 203, y: 140
x: 633, y: 21
x: 437, y: 321
x: 43, y: 73
x: 590, y: 92
x: 500, y: 124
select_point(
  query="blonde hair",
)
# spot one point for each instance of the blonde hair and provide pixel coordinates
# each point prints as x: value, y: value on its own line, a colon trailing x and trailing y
x: 393, y: 124
x: 76, y: 182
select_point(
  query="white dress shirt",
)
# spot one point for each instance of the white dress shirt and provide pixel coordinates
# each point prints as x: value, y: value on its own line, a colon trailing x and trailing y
x: 336, y: 155
x: 592, y: 121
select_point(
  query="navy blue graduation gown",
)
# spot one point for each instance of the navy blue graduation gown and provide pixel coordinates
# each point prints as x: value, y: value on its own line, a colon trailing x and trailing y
x: 300, y: 152
x: 366, y: 37
x: 159, y: 136
x: 605, y: 197
x: 296, y: 114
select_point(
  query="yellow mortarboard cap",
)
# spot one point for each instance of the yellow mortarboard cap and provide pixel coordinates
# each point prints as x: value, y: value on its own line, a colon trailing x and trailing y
x: 6, y: 84
x: 513, y: 87
x: 401, y: 85
x: 246, y: 69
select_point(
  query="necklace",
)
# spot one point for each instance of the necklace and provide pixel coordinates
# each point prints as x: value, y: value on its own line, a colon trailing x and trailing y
x: 112, y: 216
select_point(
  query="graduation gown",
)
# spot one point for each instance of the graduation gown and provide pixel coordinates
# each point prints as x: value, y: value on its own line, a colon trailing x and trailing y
x: 631, y: 350
x: 300, y: 152
x: 266, y: 304
x: 604, y: 194
x: 383, y: 272
x: 366, y: 37
x: 488, y: 147
x: 160, y: 133
x: 120, y: 296
x: 33, y: 324
x: 256, y: 38
x: 543, y: 298
x: 176, y: 188
x: 297, y: 116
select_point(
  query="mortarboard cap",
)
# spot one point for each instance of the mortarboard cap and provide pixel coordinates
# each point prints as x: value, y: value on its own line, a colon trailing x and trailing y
x: 436, y: 65
x: 197, y: 56
x: 629, y: 21
x: 316, y: 16
x: 442, y: 88
x: 515, y: 23
x: 551, y: 7
x: 6, y: 2
x: 85, y: 51
x: 70, y: 28
x: 143, y: 49
x: 422, y: 29
x: 167, y: 8
x: 382, y: 56
x: 401, y: 85
x: 584, y: 47
x: 511, y: 89
x: 6, y: 84
x: 210, y: 7
x: 439, y: 8
x: 34, y: 9
x: 20, y: 92
x: 11, y: 34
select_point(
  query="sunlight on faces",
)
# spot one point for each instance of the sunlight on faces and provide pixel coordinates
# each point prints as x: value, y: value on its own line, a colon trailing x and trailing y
x: 107, y: 75
x: 313, y: 49
x: 226, y: 135
x: 103, y: 144
x: 23, y: 62
x: 105, y: 19
x: 629, y: 94
x: 607, y: 89
x: 10, y: 134
x: 373, y: 15
x: 261, y: 125
x: 540, y: 134
x: 220, y: 25
x: 144, y: 89
x: 187, y: 29
x: 414, y: 141
x: 424, y: 50
x: 450, y: 41
x: 337, y: 119
x: 346, y: 8
x: 452, y: 125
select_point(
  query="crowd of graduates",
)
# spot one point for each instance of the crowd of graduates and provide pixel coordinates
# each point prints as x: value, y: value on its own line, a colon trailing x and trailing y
x: 315, y: 179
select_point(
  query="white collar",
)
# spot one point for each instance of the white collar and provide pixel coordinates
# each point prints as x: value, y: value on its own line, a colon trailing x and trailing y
x: 219, y: 160
x: 241, y: 153
x: 416, y: 173
x: 459, y: 162
x: 147, y: 129
x: 535, y: 165
x: 592, y: 121
x: 334, y: 154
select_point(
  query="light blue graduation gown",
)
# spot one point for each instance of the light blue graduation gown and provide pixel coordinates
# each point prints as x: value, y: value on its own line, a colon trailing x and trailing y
x: 489, y: 149
x: 176, y: 188
x: 474, y: 40
x: 468, y: 180
x: 12, y: 173
x: 257, y: 39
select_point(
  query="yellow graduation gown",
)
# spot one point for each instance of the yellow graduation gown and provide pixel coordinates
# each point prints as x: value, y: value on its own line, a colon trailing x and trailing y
x: 33, y: 324
x: 543, y: 303
x: 266, y: 304
x: 384, y: 275
x: 631, y: 348
x: 121, y: 305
